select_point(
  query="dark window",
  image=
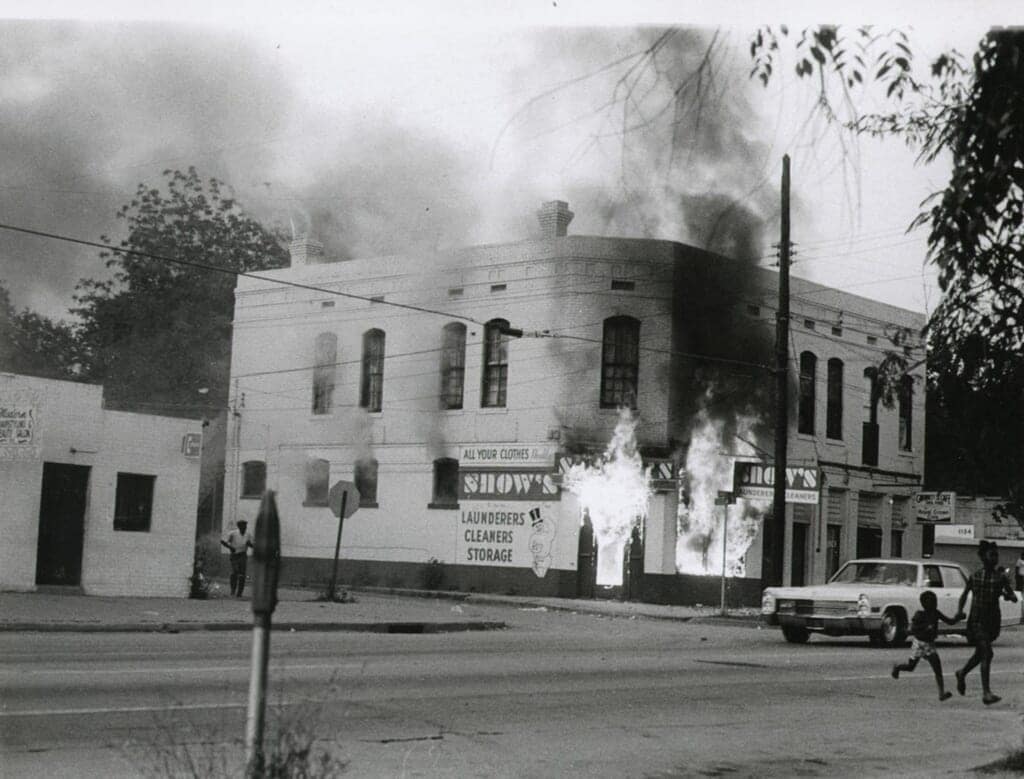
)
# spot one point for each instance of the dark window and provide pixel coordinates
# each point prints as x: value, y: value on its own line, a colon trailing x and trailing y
x: 133, y: 502
x: 927, y: 540
x: 624, y: 286
x: 809, y: 324
x: 371, y: 389
x: 808, y: 369
x: 453, y: 364
x: 872, y: 339
x: 499, y: 287
x: 837, y: 330
x: 455, y: 292
x: 446, y: 483
x: 495, y: 373
x: 254, y: 479
x: 325, y: 362
x: 326, y: 304
x: 620, y: 362
x: 754, y: 310
x: 906, y: 413
x: 834, y: 410
x: 365, y: 478
x: 318, y: 476
x: 869, y: 432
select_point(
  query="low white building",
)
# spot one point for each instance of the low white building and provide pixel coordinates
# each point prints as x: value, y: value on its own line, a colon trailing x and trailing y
x: 97, y: 499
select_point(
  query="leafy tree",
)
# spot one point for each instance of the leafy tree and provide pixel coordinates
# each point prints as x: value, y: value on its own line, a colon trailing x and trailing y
x: 975, y: 113
x: 158, y: 332
x: 34, y: 345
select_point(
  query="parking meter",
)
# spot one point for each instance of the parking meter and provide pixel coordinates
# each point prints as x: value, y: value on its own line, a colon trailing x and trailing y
x: 266, y: 555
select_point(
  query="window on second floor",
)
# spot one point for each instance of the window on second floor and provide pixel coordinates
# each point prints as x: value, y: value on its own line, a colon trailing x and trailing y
x: 805, y: 410
x: 453, y: 364
x: 906, y: 414
x: 495, y: 367
x: 871, y: 395
x: 318, y: 477
x: 365, y: 478
x: 620, y: 362
x: 371, y: 388
x: 325, y: 362
x: 254, y: 479
x: 446, y: 483
x: 834, y: 411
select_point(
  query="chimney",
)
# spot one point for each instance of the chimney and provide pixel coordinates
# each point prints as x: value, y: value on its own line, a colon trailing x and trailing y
x: 554, y: 217
x: 306, y: 251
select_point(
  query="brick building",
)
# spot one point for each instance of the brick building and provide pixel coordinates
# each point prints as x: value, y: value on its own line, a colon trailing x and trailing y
x: 450, y: 387
x: 100, y: 500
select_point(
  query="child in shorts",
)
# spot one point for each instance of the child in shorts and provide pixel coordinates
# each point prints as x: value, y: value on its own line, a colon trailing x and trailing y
x: 924, y: 629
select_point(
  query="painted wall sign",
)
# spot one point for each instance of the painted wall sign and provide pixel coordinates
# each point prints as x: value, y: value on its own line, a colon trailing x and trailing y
x: 192, y: 444
x: 526, y: 485
x: 661, y: 470
x: 954, y: 533
x: 506, y: 455
x: 19, y: 428
x: 510, y: 535
x: 935, y: 506
x: 756, y: 481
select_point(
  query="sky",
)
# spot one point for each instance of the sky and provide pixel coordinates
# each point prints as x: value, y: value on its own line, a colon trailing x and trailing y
x: 400, y: 127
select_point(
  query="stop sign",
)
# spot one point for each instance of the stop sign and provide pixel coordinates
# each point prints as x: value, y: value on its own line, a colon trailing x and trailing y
x: 348, y: 491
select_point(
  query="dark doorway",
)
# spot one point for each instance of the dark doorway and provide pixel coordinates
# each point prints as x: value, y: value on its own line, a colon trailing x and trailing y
x: 586, y: 560
x: 633, y: 576
x: 61, y: 524
x: 798, y: 573
x: 869, y: 541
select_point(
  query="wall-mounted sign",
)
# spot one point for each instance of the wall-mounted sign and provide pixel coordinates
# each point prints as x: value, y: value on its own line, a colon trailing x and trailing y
x: 506, y: 455
x: 192, y: 444
x: 756, y: 481
x: 954, y: 533
x: 661, y: 470
x: 19, y: 427
x: 935, y: 506
x: 512, y: 484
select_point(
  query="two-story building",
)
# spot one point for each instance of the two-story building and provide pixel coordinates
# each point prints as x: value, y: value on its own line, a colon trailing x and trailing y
x: 455, y: 389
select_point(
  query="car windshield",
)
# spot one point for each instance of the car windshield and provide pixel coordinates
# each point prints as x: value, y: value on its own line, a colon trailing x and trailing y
x: 876, y: 573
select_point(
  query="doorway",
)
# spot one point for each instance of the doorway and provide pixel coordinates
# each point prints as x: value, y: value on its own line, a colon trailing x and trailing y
x: 798, y: 570
x: 61, y: 524
x: 586, y: 560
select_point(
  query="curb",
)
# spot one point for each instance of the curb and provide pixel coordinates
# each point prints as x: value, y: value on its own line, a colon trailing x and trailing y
x: 288, y: 627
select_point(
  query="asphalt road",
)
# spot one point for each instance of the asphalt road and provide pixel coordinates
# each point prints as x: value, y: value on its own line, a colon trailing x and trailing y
x: 557, y: 694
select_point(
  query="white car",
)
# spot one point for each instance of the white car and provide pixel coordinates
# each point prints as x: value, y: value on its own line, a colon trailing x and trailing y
x: 875, y: 597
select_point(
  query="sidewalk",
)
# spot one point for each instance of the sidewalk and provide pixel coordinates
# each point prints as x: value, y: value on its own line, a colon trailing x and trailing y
x: 384, y: 611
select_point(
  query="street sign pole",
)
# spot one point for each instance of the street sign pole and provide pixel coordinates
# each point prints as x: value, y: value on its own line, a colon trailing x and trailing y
x: 725, y: 538
x: 266, y: 555
x: 337, y: 545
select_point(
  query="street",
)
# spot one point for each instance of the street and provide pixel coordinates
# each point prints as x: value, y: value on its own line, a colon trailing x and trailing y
x: 556, y: 694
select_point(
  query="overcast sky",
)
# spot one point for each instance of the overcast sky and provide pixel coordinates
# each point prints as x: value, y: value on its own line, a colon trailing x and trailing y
x: 403, y: 127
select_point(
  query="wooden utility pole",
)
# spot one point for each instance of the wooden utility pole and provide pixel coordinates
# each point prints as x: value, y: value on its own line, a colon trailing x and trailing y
x: 775, y: 533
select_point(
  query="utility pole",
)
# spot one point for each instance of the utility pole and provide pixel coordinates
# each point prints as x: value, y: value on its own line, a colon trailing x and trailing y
x: 775, y: 533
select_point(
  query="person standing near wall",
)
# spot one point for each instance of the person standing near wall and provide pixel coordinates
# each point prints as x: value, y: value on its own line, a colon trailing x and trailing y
x: 238, y: 543
x: 1019, y: 568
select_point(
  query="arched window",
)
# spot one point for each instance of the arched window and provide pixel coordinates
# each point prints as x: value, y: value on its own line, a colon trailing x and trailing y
x: 254, y: 479
x: 834, y: 410
x: 446, y: 483
x: 325, y: 362
x: 620, y: 362
x: 805, y: 411
x: 495, y: 367
x: 906, y: 414
x: 365, y: 478
x: 453, y: 364
x: 371, y: 389
x: 318, y: 476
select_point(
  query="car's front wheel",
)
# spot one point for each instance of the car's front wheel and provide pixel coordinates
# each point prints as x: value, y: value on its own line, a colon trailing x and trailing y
x: 893, y: 631
x: 796, y: 635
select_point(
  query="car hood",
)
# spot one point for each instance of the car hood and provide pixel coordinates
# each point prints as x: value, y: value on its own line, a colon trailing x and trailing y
x: 827, y: 591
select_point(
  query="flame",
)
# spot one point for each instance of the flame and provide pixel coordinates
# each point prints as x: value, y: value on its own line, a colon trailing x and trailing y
x: 700, y: 522
x: 615, y: 492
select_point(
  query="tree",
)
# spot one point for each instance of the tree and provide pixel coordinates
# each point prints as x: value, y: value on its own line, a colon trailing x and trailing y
x: 34, y: 345
x: 976, y: 333
x: 159, y: 332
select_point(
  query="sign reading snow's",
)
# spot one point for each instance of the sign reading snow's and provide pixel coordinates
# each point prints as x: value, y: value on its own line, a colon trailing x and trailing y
x: 757, y: 481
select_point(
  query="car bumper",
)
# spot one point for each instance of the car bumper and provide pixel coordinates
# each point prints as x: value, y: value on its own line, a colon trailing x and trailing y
x: 831, y: 624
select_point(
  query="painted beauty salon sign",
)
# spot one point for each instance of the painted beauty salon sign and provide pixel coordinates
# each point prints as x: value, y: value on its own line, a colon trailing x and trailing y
x: 19, y: 427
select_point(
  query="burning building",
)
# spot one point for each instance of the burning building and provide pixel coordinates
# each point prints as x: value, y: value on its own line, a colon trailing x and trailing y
x: 558, y: 416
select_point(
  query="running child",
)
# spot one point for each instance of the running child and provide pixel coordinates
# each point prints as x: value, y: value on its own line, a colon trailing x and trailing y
x: 924, y: 629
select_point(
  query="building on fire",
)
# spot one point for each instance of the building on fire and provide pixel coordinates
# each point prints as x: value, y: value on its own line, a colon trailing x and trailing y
x: 458, y: 392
